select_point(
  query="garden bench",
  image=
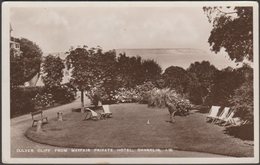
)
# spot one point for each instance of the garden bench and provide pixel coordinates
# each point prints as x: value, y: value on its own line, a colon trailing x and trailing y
x: 37, y: 116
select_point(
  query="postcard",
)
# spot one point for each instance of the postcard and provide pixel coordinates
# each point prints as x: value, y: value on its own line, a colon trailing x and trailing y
x: 130, y: 82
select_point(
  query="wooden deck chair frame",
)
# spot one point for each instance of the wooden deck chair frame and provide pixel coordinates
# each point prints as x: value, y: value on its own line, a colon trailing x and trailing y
x: 93, y: 115
x: 232, y: 122
x: 106, y: 113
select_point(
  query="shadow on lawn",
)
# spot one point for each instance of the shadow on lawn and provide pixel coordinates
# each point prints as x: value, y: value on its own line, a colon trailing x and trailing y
x: 245, y: 132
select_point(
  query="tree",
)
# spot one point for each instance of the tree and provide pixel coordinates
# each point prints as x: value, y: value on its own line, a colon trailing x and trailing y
x: 52, y: 69
x: 31, y: 55
x: 16, y: 69
x: 176, y: 78
x: 151, y: 70
x: 25, y: 64
x: 130, y: 71
x: 225, y: 83
x: 202, y: 75
x: 107, y: 82
x: 79, y: 61
x: 232, y: 30
x: 91, y: 69
x: 243, y: 99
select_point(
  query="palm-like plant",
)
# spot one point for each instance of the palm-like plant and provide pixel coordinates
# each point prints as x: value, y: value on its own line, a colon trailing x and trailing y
x: 175, y: 103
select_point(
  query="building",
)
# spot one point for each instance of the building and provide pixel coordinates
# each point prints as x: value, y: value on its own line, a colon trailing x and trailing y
x: 14, y: 44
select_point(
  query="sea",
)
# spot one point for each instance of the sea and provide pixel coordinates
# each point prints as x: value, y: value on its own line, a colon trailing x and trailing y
x: 181, y: 57
x: 167, y: 57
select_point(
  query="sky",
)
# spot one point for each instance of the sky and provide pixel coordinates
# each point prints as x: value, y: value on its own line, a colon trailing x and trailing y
x: 57, y: 29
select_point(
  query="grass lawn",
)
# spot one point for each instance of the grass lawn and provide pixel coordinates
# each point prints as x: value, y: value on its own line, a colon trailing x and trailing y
x: 128, y: 128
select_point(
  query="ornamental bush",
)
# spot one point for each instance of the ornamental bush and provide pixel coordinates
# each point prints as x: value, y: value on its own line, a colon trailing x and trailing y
x: 243, y: 101
x: 62, y: 94
x: 143, y: 91
x: 43, y: 100
x: 124, y: 95
x: 163, y: 97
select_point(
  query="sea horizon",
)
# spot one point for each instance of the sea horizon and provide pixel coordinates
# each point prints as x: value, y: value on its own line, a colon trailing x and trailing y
x: 167, y: 57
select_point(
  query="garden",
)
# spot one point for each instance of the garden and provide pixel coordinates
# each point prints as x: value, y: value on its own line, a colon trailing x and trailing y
x: 151, y: 107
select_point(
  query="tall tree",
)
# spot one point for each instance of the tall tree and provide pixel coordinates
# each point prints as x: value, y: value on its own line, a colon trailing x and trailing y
x: 52, y: 70
x: 25, y: 64
x: 176, y: 78
x: 203, y: 76
x: 91, y: 69
x: 79, y: 61
x: 225, y: 83
x: 232, y: 30
x: 31, y: 55
x: 130, y: 71
x: 16, y: 69
x: 243, y: 99
x: 151, y: 70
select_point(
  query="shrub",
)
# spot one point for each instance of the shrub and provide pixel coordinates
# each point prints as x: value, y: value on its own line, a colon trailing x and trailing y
x: 43, y: 100
x: 243, y: 101
x: 62, y: 94
x: 97, y: 95
x: 124, y: 95
x: 21, y: 102
x: 27, y: 99
x: 164, y: 97
x: 143, y: 91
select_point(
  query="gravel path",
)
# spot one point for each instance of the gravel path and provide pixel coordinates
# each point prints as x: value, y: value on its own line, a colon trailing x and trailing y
x: 21, y: 147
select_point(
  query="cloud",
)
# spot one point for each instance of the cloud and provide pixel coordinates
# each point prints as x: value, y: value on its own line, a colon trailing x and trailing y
x: 49, y: 18
x: 56, y: 29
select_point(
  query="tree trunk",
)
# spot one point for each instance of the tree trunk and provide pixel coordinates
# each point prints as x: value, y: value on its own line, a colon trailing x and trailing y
x: 82, y: 101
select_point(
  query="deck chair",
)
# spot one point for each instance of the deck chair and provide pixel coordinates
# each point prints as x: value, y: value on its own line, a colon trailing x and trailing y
x: 224, y: 114
x: 227, y: 120
x: 92, y: 115
x: 212, y: 113
x: 236, y: 121
x: 106, y: 113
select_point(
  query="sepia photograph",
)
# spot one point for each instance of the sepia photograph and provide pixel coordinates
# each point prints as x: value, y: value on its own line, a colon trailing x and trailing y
x: 130, y: 82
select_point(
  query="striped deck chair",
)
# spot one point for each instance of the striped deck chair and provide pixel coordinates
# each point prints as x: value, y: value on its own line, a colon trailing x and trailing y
x: 224, y: 114
x: 227, y: 120
x: 212, y: 113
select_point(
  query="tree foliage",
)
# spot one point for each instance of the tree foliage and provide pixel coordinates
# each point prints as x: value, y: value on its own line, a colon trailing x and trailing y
x: 16, y: 69
x: 176, y: 78
x: 151, y: 70
x: 52, y: 70
x: 31, y: 56
x: 129, y: 71
x: 232, y: 30
x: 26, y: 63
x: 243, y: 101
x: 92, y: 69
x: 225, y: 83
x: 202, y: 75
